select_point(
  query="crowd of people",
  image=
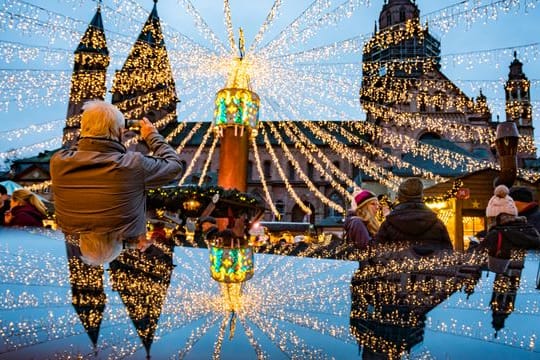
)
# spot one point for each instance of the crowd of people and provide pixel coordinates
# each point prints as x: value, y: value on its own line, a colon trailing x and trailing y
x: 22, y: 208
x: 513, y: 222
x: 410, y: 220
x: 99, y: 194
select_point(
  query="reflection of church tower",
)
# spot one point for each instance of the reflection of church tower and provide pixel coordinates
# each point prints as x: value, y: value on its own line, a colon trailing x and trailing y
x: 519, y: 109
x: 89, y: 73
x: 403, y: 86
x: 145, y: 85
x: 142, y: 280
x: 388, y: 309
x: 88, y: 296
x: 503, y: 298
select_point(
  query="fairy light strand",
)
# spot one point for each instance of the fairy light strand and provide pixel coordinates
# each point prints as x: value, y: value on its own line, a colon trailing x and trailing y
x: 208, y: 159
x: 290, y: 189
x: 301, y: 173
x: 196, y: 155
x: 262, y: 178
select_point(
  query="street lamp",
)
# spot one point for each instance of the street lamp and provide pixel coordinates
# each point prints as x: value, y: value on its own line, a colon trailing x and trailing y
x: 506, y: 143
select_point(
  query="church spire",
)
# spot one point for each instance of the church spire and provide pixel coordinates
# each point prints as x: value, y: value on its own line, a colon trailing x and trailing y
x: 90, y: 65
x: 518, y: 105
x: 145, y: 85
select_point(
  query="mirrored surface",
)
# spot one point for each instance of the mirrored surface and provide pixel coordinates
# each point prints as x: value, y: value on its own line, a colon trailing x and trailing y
x: 164, y: 304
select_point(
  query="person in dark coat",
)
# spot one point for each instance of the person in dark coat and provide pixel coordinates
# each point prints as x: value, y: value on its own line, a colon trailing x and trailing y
x: 411, y: 221
x: 361, y: 224
x: 506, y: 230
x: 4, y: 203
x: 525, y: 204
x: 26, y: 210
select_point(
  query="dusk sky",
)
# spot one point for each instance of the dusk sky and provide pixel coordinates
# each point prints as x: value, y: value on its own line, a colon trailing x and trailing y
x: 477, y: 41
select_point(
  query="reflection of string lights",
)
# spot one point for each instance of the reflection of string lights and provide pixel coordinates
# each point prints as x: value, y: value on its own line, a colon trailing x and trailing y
x: 321, y: 287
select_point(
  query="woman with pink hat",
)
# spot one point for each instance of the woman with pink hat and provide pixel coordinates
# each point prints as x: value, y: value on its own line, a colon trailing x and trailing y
x: 361, y: 224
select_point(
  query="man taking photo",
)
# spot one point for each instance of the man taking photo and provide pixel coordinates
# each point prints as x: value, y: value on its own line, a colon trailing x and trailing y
x: 99, y: 187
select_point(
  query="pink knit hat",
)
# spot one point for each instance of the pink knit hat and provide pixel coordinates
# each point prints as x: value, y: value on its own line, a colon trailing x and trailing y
x: 501, y: 202
x: 362, y: 197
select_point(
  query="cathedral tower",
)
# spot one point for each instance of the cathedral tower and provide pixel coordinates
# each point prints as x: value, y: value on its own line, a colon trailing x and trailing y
x: 403, y: 87
x: 145, y: 86
x: 519, y: 109
x: 89, y: 74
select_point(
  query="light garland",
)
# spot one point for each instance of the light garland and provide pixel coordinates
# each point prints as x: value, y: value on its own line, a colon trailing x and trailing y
x: 195, y: 157
x: 301, y: 174
x: 381, y: 175
x: 188, y: 137
x: 288, y: 186
x: 267, y: 195
x: 203, y: 27
x: 380, y: 153
x: 407, y: 144
x: 272, y: 15
x: 328, y: 164
x: 229, y: 26
x: 299, y: 145
x: 451, y: 16
x: 208, y: 160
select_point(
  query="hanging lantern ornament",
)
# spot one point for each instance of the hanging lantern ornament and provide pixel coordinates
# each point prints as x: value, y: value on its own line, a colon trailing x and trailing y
x: 236, y: 105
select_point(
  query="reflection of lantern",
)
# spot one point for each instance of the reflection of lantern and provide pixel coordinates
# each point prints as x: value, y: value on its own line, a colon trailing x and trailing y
x: 231, y: 264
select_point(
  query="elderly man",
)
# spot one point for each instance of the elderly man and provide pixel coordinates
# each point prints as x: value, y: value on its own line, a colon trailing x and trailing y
x: 99, y: 186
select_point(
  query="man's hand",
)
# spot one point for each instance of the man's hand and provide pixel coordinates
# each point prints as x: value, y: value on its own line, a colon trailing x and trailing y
x: 147, y: 128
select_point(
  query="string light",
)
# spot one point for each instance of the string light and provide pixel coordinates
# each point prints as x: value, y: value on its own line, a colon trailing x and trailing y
x: 301, y: 174
x: 281, y: 173
x: 267, y: 195
x: 229, y: 25
x: 196, y: 155
x: 317, y: 166
x: 328, y: 164
x: 208, y: 160
x: 380, y: 174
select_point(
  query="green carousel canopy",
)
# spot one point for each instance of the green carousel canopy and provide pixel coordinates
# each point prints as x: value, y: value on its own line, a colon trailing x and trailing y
x: 191, y: 200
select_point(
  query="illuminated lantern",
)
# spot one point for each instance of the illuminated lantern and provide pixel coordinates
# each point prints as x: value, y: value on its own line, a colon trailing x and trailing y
x: 236, y: 107
x: 191, y: 205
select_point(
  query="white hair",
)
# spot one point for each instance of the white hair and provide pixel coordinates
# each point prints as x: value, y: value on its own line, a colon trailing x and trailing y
x: 101, y: 119
x: 99, y: 248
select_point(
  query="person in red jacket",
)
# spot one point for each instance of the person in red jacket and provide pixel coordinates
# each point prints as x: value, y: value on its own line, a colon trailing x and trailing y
x: 26, y: 210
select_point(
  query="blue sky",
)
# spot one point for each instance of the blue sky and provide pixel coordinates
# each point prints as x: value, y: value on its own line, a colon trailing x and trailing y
x: 483, y: 42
